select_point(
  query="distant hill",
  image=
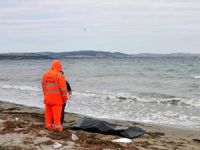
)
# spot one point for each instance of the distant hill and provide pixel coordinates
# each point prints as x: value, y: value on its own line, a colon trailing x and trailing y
x: 172, y: 55
x: 89, y: 54
x: 22, y: 56
x: 84, y: 54
x: 52, y: 55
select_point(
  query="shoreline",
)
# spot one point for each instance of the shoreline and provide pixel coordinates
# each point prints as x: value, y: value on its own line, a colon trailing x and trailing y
x: 30, y: 123
x: 172, y: 126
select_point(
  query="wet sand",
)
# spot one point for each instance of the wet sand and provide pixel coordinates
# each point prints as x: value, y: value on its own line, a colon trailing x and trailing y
x: 22, y: 128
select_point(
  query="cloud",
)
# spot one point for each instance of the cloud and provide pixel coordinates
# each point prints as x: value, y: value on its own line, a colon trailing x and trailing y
x: 124, y: 24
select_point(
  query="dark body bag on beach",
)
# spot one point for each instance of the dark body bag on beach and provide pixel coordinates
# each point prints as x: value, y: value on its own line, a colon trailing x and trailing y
x: 63, y: 107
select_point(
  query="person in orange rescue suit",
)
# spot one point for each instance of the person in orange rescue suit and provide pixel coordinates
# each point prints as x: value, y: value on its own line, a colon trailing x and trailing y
x: 55, y: 95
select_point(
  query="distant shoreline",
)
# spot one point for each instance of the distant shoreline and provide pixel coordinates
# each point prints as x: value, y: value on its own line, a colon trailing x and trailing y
x: 89, y: 54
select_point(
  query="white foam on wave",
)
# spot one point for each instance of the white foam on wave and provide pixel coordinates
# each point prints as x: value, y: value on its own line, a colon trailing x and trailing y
x: 20, y: 87
x: 125, y: 97
x: 193, y: 102
x: 86, y: 94
x: 196, y: 77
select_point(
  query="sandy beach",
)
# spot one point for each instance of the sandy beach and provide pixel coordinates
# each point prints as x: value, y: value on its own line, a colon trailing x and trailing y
x: 22, y: 128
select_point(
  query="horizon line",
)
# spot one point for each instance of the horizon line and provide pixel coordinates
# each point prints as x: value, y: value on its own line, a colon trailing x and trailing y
x: 144, y: 53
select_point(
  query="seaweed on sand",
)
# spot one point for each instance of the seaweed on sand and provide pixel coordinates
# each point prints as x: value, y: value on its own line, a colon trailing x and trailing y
x: 57, y: 135
x: 11, y: 126
x: 92, y: 140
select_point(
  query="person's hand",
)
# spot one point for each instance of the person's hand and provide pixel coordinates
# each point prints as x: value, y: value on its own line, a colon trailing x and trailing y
x: 70, y: 92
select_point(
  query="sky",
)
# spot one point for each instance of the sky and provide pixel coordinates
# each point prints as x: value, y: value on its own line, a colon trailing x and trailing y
x: 128, y: 26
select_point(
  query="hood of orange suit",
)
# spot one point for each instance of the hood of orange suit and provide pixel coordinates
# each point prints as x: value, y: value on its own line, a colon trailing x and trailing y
x: 56, y: 65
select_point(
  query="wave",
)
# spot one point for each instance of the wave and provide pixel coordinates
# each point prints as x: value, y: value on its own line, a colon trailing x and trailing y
x: 172, y: 101
x: 120, y: 97
x: 21, y: 87
x: 4, y: 79
x: 196, y: 77
x: 147, y: 98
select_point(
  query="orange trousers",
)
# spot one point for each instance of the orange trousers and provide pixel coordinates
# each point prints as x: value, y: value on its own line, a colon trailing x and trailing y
x: 53, y: 116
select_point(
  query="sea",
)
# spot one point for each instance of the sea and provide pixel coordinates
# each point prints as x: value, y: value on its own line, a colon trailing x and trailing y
x: 157, y: 90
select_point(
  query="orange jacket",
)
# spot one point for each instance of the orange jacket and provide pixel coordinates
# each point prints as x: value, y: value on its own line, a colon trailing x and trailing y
x: 54, y: 85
